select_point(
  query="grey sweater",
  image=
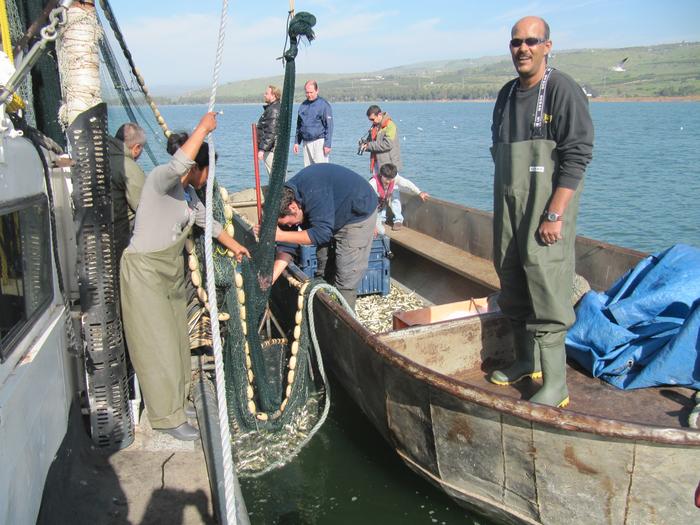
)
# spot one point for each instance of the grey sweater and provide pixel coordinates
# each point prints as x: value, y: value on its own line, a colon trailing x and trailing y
x: 164, y: 210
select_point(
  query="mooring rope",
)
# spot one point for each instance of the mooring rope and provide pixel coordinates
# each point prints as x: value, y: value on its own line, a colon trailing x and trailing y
x: 225, y: 433
x: 319, y: 357
x: 79, y: 62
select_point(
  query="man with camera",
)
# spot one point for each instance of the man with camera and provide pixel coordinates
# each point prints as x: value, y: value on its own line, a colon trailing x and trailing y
x: 383, y: 144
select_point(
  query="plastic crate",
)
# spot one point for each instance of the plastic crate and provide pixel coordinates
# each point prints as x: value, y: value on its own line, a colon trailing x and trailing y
x: 376, y: 279
x: 306, y: 259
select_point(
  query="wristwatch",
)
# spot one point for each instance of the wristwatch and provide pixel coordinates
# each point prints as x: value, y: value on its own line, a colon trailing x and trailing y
x: 551, y: 216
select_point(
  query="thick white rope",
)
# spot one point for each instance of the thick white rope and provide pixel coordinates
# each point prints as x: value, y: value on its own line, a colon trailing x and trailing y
x: 79, y: 63
x: 225, y: 433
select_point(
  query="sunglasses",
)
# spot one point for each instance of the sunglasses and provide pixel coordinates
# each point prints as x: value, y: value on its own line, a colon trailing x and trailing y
x: 531, y: 41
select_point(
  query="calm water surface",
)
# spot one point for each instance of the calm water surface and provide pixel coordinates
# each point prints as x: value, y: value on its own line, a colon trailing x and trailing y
x: 641, y: 191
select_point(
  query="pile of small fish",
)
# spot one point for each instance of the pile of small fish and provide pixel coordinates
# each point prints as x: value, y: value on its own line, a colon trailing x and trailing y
x: 375, y: 312
x: 257, y: 452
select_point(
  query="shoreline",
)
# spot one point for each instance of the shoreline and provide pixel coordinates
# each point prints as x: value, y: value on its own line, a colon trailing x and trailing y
x: 689, y: 98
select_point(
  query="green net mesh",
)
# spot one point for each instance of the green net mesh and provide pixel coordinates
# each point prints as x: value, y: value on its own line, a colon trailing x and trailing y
x: 123, y: 94
x: 267, y: 378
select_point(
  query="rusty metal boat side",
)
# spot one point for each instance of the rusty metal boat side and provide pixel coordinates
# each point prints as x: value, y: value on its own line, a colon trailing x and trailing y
x: 611, y: 457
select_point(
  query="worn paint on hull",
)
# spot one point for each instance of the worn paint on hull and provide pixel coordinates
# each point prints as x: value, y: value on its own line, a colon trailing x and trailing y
x: 610, y: 457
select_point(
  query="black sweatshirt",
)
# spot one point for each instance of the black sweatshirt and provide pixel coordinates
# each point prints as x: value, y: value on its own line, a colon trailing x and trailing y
x: 567, y: 122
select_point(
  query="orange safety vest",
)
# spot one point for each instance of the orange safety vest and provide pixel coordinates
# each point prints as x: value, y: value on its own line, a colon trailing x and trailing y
x: 373, y: 132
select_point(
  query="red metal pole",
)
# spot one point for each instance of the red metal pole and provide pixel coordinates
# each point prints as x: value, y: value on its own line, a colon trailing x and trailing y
x: 256, y: 166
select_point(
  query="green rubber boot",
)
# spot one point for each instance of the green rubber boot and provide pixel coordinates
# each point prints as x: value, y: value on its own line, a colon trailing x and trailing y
x: 527, y: 359
x: 553, y: 354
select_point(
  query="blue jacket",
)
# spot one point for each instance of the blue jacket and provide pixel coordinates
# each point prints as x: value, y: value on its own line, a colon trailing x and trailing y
x: 315, y: 121
x: 331, y: 196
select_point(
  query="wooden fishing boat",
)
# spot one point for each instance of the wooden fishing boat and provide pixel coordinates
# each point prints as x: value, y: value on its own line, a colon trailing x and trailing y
x: 610, y: 457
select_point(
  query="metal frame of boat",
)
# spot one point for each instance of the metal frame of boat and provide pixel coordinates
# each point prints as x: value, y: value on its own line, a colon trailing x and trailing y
x: 611, y: 457
x: 44, y: 382
x: 37, y: 355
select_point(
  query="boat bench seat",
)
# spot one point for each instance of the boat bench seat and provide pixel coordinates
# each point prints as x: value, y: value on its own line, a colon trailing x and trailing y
x: 454, y: 259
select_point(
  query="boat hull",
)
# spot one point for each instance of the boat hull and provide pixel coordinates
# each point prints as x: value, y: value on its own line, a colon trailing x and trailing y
x: 510, y: 468
x: 424, y: 390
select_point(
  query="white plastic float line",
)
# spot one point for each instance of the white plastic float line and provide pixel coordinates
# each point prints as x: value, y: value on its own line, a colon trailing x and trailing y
x: 319, y: 361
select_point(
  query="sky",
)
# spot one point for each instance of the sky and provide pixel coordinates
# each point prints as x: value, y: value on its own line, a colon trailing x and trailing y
x: 174, y: 42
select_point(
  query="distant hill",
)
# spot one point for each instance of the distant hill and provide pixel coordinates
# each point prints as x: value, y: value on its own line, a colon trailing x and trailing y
x: 656, y: 71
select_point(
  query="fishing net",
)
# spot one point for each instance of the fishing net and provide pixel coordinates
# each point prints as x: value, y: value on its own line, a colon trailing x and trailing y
x: 123, y: 93
x: 269, y: 377
x: 16, y: 31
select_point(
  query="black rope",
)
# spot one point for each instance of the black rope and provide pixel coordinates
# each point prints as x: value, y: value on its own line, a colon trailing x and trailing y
x: 258, y: 269
x: 120, y: 87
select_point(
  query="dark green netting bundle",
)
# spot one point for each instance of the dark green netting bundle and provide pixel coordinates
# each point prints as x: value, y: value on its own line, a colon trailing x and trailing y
x: 268, y: 378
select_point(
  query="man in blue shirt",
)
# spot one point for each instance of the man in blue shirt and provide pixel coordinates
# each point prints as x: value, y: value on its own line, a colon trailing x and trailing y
x: 329, y: 203
x: 314, y: 126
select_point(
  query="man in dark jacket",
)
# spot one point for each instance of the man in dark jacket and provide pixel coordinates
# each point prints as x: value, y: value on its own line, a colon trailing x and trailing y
x: 267, y: 126
x: 329, y: 203
x: 314, y: 126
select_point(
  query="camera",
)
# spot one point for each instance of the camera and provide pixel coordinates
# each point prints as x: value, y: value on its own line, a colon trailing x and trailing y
x: 360, y: 143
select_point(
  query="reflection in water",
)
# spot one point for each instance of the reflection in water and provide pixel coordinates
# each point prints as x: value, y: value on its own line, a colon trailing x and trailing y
x: 347, y: 475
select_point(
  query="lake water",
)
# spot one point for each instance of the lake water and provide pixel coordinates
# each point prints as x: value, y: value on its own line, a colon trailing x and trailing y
x: 641, y: 191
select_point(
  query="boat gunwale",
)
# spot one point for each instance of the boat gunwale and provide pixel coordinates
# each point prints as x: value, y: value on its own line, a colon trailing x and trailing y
x: 489, y: 215
x: 557, y: 418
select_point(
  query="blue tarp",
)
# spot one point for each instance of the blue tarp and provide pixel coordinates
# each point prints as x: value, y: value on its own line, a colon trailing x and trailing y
x: 645, y: 330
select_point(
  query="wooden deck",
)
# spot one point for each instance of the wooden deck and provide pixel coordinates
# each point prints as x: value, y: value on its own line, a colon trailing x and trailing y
x: 450, y: 257
x: 589, y: 396
x: 593, y: 397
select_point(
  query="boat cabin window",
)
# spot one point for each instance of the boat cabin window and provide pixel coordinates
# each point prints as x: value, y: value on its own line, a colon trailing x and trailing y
x: 26, y: 287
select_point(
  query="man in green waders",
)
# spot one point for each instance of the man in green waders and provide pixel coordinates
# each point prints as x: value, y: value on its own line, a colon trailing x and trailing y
x: 152, y: 282
x: 542, y: 142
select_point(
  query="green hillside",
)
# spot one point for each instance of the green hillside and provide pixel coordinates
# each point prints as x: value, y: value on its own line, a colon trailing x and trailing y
x: 656, y: 71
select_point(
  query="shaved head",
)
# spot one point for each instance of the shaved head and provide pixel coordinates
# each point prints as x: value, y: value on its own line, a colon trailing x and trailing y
x: 529, y: 48
x: 528, y: 21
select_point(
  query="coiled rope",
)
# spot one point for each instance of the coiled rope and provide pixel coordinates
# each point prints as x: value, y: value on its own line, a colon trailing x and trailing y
x: 224, y: 428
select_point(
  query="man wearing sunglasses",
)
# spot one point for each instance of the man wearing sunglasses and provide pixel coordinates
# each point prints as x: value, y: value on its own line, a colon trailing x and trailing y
x: 542, y: 142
